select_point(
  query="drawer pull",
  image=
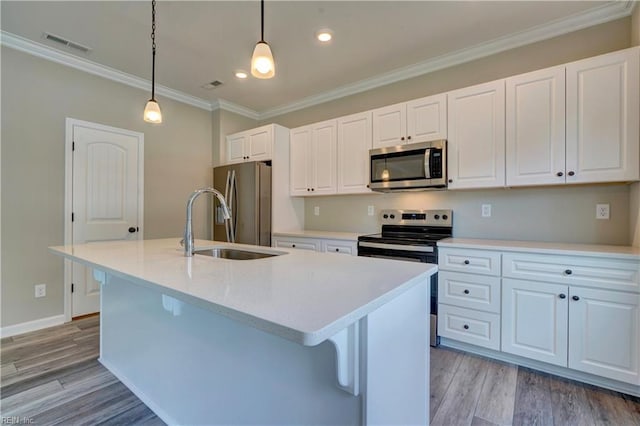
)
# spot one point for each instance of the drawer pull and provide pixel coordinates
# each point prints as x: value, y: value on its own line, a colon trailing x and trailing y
x: 466, y: 291
x: 293, y: 246
x: 568, y: 272
x: 562, y: 296
x: 466, y: 326
x: 466, y: 262
x: 576, y: 298
x: 337, y: 249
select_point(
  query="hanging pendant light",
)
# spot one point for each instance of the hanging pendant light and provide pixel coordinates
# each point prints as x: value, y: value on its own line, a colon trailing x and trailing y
x: 262, y: 63
x: 152, y: 113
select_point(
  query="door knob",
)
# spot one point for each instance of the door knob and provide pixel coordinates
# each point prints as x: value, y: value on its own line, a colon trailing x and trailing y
x: 132, y: 229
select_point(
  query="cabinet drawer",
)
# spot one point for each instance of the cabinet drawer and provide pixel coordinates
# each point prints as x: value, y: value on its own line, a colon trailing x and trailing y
x: 297, y: 243
x: 611, y: 274
x: 469, y: 260
x: 341, y: 247
x: 469, y: 291
x: 466, y: 325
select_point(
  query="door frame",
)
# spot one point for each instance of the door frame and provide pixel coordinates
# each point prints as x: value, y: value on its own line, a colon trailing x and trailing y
x: 68, y: 193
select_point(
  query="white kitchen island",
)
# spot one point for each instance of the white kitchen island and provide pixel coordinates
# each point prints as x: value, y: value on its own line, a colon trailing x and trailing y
x: 299, y: 338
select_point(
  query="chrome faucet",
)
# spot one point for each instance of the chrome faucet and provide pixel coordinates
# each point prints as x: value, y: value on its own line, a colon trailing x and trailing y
x: 188, y: 229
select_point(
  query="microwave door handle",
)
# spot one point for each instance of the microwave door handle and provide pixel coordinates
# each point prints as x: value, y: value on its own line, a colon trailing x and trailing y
x: 427, y: 163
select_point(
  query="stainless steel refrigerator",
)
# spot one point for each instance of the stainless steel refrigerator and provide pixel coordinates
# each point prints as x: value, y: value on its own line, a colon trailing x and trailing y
x: 247, y: 189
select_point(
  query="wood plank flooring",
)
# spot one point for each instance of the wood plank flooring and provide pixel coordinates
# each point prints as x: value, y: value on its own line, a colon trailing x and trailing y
x: 52, y: 377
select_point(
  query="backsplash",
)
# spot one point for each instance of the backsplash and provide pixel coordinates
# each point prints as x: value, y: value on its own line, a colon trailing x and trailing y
x: 556, y: 214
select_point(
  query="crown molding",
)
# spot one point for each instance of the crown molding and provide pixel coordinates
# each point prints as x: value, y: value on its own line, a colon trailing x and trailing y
x: 605, y: 13
x: 46, y: 52
x: 238, y: 109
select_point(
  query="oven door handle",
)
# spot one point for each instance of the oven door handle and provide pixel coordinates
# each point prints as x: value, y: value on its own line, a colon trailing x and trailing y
x: 420, y: 249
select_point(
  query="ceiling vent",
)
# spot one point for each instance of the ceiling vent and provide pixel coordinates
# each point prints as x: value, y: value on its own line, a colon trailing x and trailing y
x: 212, y: 85
x: 68, y: 43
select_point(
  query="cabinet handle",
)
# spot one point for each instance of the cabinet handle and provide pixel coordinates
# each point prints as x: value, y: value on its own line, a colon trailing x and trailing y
x: 466, y: 327
x: 466, y: 262
x: 576, y: 298
x: 337, y: 249
x: 293, y: 246
x: 450, y: 180
x: 562, y: 296
x: 313, y: 189
x: 466, y: 291
x: 408, y: 137
x: 132, y: 229
x: 571, y: 173
x: 308, y: 189
x: 402, y: 138
x: 568, y: 272
x: 559, y: 174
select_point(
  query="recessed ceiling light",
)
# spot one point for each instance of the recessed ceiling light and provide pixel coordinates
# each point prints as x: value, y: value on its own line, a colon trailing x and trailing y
x: 241, y: 74
x: 324, y: 35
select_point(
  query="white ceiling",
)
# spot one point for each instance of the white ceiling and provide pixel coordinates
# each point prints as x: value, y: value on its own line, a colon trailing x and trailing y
x: 202, y: 41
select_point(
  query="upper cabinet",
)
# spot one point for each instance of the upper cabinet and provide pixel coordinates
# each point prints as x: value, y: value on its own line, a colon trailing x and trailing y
x: 251, y: 145
x: 535, y: 127
x: 602, y: 118
x: 313, y: 159
x: 476, y: 129
x: 419, y: 120
x: 354, y: 143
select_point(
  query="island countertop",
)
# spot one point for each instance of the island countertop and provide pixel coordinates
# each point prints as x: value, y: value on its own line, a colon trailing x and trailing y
x: 303, y: 296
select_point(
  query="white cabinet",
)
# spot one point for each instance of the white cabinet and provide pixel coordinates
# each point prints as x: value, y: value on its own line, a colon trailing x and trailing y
x: 602, y: 118
x: 340, y: 247
x: 313, y: 159
x: 535, y: 128
x: 316, y: 244
x: 297, y: 243
x: 476, y: 132
x: 251, y: 145
x: 416, y: 121
x: 354, y: 143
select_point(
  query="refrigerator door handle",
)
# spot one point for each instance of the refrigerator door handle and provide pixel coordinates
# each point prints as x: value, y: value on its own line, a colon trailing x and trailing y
x: 232, y: 202
x: 227, y: 188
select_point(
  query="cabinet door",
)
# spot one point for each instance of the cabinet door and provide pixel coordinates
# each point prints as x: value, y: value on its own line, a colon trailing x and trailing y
x: 235, y: 148
x: 259, y: 144
x: 323, y: 157
x: 300, y: 144
x: 604, y: 333
x: 354, y: 143
x: 535, y: 117
x: 389, y: 125
x: 534, y: 320
x: 427, y: 119
x: 602, y: 118
x: 476, y: 136
x: 297, y: 243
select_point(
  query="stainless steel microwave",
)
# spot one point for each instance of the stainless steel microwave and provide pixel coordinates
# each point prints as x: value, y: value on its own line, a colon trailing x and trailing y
x: 411, y: 167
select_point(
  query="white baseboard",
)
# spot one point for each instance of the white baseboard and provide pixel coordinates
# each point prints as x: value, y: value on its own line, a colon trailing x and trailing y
x: 26, y: 327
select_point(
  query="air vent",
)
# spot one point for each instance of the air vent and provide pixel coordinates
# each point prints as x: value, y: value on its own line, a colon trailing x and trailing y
x: 212, y: 85
x: 68, y: 43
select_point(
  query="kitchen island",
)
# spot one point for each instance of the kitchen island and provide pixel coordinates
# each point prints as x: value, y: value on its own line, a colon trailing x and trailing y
x: 297, y: 338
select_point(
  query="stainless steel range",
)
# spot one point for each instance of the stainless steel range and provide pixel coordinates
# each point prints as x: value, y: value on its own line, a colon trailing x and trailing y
x: 411, y: 235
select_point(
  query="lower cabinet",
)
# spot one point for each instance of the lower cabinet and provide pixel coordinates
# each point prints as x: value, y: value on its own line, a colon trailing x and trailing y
x: 317, y: 244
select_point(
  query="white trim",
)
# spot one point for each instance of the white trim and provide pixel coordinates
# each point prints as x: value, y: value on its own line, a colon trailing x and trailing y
x: 595, y: 16
x: 68, y: 194
x: 26, y: 327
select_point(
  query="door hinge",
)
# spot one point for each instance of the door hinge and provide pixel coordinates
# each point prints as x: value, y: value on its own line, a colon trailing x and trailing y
x: 72, y: 287
x: 73, y: 217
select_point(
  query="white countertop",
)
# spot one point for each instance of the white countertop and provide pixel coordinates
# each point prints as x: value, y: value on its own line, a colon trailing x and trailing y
x: 304, y: 296
x: 596, y: 250
x: 307, y: 233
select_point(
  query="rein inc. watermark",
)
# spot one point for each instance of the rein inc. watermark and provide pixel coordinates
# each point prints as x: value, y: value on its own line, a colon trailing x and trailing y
x: 16, y: 420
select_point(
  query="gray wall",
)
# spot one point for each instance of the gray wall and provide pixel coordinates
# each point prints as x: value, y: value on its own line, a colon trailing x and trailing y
x: 550, y: 213
x: 37, y: 96
x: 634, y: 202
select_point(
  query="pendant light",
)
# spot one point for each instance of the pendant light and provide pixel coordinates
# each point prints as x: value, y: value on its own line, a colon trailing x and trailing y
x: 152, y: 113
x: 262, y: 64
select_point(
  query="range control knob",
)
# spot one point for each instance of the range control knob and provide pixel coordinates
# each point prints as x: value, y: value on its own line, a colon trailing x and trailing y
x: 385, y: 216
x: 436, y: 217
x: 393, y: 216
x: 445, y: 217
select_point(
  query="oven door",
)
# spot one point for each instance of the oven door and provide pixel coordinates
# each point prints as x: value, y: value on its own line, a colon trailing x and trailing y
x: 412, y: 254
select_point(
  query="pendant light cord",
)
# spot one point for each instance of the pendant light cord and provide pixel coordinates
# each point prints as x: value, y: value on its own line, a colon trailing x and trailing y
x: 261, y: 21
x: 153, y: 49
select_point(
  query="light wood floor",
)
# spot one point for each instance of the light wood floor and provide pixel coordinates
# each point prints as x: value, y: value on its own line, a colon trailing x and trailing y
x: 53, y: 377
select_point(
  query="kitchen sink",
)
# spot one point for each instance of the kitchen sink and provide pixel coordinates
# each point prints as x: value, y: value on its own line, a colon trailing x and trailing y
x: 235, y: 254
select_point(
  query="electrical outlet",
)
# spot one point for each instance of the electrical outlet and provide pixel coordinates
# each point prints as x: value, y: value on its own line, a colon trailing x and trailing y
x: 40, y: 290
x: 486, y: 210
x: 602, y: 211
x: 316, y: 210
x: 370, y: 210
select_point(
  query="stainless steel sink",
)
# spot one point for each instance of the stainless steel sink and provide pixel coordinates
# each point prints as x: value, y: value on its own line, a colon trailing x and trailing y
x: 235, y: 254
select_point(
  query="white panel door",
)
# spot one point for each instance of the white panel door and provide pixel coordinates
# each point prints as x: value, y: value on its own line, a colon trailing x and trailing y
x: 476, y: 134
x: 602, y: 118
x: 106, y: 195
x: 535, y: 146
x: 235, y: 148
x: 324, y: 158
x: 604, y: 328
x: 300, y: 161
x: 427, y: 119
x: 259, y: 143
x: 389, y: 125
x: 354, y: 143
x: 534, y: 320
